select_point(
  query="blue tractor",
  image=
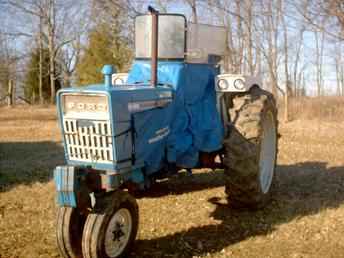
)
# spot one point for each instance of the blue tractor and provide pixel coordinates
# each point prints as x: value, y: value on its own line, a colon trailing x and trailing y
x: 174, y: 110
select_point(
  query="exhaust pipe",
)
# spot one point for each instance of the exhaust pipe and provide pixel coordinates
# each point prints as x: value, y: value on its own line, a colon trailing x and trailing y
x: 154, y: 46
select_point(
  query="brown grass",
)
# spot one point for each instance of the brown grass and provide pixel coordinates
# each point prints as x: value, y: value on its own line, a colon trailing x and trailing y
x: 185, y: 216
x: 325, y: 108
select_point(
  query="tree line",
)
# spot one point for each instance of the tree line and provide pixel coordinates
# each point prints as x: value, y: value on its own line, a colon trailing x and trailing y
x: 295, y: 45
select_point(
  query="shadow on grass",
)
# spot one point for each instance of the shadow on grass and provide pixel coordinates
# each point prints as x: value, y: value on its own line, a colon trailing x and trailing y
x: 302, y: 189
x: 184, y: 183
x: 28, y: 162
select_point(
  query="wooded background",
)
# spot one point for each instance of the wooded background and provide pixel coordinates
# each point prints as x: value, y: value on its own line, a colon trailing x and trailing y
x: 296, y: 46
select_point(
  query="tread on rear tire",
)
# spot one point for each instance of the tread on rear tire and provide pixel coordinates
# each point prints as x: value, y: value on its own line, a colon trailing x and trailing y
x: 245, y: 152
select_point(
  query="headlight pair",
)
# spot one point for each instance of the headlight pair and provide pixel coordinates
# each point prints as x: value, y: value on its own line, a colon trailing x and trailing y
x: 222, y: 84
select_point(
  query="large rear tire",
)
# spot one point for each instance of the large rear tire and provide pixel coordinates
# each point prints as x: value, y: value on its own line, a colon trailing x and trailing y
x: 111, y: 228
x: 251, y: 149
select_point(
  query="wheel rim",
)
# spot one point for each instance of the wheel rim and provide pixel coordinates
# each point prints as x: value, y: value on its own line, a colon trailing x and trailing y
x: 267, y: 153
x: 118, y: 232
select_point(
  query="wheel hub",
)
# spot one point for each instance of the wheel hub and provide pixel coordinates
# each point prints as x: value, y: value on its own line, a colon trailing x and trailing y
x: 118, y: 232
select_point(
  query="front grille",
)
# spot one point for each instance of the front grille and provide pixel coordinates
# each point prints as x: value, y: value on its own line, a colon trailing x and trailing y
x: 89, y: 141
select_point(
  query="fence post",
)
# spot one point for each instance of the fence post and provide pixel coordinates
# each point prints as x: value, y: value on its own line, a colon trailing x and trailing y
x: 286, y: 102
x: 10, y: 94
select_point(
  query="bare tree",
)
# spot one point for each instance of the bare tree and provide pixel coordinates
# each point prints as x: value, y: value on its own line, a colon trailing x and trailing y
x: 319, y: 52
x: 8, y: 62
x: 299, y: 44
x: 56, y: 24
x: 193, y: 6
x: 40, y: 46
x: 286, y: 71
x: 270, y: 29
x: 334, y: 8
x: 249, y: 36
x: 339, y: 63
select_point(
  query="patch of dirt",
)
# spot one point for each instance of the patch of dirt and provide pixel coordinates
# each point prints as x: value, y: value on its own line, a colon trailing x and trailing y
x: 185, y: 216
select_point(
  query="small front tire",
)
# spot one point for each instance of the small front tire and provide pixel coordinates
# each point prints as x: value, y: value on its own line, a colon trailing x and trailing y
x: 111, y: 229
x: 69, y: 227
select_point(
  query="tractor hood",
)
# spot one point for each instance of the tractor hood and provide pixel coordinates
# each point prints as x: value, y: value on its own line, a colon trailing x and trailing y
x: 98, y: 124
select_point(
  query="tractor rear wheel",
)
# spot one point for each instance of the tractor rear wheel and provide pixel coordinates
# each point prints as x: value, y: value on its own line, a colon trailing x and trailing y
x: 111, y: 228
x: 251, y: 149
x: 69, y: 227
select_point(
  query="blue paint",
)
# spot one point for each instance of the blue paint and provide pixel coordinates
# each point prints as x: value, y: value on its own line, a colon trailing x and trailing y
x: 107, y: 71
x: 137, y: 176
x: 147, y: 140
x: 67, y: 185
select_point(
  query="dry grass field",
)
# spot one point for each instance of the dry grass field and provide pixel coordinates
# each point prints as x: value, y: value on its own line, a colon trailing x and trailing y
x: 186, y: 216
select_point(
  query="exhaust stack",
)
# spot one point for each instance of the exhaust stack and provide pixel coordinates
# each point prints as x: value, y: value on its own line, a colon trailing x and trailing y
x: 154, y: 46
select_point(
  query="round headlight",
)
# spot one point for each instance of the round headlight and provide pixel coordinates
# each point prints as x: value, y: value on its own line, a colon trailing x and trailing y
x: 239, y: 84
x: 222, y: 84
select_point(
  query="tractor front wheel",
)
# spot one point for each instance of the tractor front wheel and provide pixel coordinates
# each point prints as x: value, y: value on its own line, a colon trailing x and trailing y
x: 251, y: 149
x: 69, y: 227
x: 112, y: 227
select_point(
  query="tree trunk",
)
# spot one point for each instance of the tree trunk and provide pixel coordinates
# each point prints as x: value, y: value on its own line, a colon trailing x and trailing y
x: 52, y: 76
x: 286, y: 105
x: 51, y: 43
x: 342, y: 78
x: 319, y: 44
x: 40, y: 85
x: 250, y: 61
x: 296, y: 62
x: 194, y: 11
x: 338, y: 77
x: 240, y: 38
x: 272, y: 52
x: 286, y: 71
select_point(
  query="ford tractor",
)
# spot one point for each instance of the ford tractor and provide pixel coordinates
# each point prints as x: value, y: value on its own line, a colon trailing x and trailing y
x: 173, y: 111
